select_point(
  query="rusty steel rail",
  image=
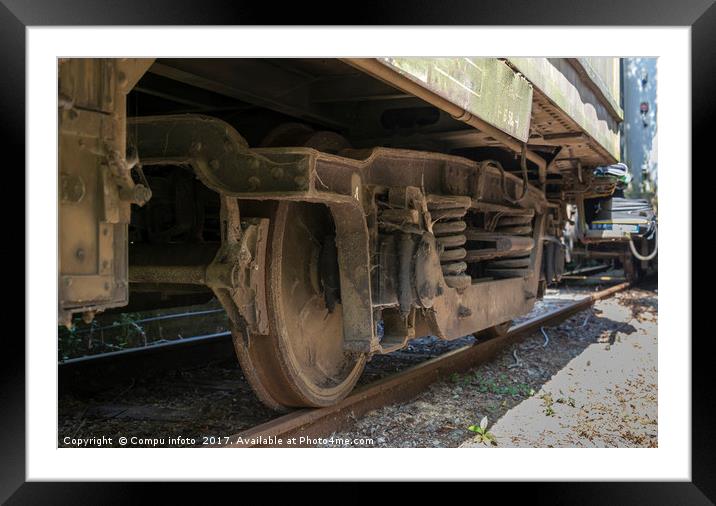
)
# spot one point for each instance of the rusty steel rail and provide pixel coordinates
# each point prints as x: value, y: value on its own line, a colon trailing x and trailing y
x: 312, y: 423
x: 593, y: 279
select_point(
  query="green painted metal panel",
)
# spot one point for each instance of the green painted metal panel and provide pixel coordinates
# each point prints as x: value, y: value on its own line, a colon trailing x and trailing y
x: 562, y: 85
x: 604, y: 73
x: 485, y: 87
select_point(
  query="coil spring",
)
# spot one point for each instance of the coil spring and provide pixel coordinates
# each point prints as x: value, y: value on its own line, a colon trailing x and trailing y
x: 515, y: 265
x: 449, y: 229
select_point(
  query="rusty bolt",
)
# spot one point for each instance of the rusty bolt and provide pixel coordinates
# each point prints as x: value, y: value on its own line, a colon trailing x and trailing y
x: 215, y: 164
x: 142, y: 194
x: 138, y: 194
x: 244, y: 257
x: 277, y: 172
x: 114, y: 157
x: 301, y: 181
x: 72, y: 188
x: 254, y: 183
x: 80, y: 254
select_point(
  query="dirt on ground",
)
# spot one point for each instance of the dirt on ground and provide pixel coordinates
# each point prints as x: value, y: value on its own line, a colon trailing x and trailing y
x: 592, y: 382
x: 182, y: 407
x: 173, y: 409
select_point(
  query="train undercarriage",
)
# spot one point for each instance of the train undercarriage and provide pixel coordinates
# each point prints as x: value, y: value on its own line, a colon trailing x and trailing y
x: 334, y: 210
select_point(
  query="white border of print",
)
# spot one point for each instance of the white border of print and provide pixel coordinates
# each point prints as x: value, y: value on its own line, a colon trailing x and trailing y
x: 671, y: 460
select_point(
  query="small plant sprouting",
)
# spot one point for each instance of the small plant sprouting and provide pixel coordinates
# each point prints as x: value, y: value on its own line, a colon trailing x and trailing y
x: 483, y: 436
x: 547, y: 399
x: 569, y: 401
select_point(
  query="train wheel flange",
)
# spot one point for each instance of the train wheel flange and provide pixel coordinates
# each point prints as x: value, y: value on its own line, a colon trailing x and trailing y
x: 302, y: 361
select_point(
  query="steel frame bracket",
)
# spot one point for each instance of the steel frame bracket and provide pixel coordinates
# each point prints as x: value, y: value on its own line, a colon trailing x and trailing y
x: 237, y: 275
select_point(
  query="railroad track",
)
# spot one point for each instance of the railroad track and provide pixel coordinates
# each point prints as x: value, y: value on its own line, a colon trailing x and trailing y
x: 97, y: 372
x: 312, y: 423
x: 252, y: 424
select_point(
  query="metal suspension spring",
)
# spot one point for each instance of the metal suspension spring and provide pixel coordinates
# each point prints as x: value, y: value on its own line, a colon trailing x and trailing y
x: 449, y: 229
x: 514, y: 265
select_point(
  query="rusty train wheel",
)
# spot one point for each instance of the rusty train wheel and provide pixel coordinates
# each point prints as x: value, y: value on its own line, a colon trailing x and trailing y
x: 302, y: 361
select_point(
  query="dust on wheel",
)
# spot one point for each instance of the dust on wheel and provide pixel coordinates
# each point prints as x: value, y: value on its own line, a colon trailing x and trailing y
x: 302, y: 361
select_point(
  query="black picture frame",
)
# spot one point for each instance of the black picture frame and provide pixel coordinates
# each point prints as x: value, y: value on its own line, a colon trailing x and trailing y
x: 700, y: 15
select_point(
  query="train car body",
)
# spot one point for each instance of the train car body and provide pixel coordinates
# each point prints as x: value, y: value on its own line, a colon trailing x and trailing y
x: 335, y: 208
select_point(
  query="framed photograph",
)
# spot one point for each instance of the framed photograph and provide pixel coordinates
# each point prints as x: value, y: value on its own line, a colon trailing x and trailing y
x: 361, y: 250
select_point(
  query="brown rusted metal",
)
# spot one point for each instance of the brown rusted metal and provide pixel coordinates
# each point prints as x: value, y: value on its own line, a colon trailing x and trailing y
x: 222, y: 161
x: 96, y: 187
x: 301, y: 361
x: 403, y: 385
x: 237, y: 273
